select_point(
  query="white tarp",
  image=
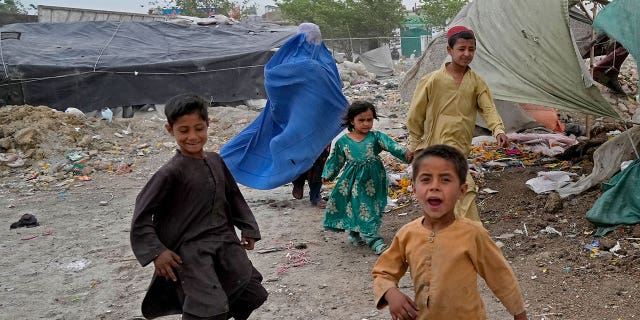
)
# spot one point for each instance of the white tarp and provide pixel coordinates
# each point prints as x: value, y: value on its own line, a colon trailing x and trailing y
x: 378, y: 61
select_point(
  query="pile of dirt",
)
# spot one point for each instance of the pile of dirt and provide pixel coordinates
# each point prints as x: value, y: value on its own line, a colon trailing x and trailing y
x: 43, y: 149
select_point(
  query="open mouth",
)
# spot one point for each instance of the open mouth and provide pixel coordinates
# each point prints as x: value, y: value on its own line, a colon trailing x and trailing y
x: 434, y: 202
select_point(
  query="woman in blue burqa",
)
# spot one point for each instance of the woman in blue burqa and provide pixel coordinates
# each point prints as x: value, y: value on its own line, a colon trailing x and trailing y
x: 301, y: 117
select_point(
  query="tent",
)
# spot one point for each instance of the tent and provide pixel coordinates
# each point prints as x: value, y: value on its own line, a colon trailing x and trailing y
x: 90, y: 65
x: 525, y: 52
x: 378, y: 61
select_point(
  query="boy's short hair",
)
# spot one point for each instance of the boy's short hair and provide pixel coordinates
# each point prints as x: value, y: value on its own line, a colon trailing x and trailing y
x: 445, y: 152
x: 467, y: 35
x: 356, y: 108
x: 184, y: 104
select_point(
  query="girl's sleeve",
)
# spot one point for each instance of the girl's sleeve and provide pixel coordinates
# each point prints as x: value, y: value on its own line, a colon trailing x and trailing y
x: 335, y: 162
x: 387, y: 144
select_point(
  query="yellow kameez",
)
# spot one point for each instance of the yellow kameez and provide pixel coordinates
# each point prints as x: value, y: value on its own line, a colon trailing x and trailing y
x: 444, y: 267
x: 443, y: 113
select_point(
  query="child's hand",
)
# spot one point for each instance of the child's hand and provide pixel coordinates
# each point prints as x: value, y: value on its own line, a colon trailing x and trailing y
x: 502, y: 140
x: 247, y: 243
x: 520, y: 316
x: 401, y: 307
x: 166, y: 262
x: 408, y: 155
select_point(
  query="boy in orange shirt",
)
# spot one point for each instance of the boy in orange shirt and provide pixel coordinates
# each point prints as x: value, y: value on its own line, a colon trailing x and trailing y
x: 444, y: 253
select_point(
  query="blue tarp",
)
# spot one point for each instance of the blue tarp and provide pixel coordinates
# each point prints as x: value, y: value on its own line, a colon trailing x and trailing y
x: 302, y: 115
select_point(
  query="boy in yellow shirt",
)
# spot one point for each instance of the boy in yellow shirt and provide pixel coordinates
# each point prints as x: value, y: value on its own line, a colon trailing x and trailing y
x: 444, y: 253
x: 444, y: 106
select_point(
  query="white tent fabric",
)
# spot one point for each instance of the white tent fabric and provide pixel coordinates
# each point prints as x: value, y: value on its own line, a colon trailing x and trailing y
x: 525, y: 53
x: 606, y: 161
x: 378, y: 61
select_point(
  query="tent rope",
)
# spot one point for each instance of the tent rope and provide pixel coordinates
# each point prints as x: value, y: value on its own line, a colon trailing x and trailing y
x: 633, y: 145
x: 4, y: 65
x: 135, y: 73
x: 107, y: 45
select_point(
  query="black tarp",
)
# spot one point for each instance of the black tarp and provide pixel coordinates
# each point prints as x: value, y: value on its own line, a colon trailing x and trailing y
x: 90, y: 65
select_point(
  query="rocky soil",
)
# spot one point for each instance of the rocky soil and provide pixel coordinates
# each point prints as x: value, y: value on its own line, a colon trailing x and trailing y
x: 79, y: 176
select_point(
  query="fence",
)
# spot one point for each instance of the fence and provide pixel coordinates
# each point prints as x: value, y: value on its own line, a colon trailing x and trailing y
x: 353, y: 47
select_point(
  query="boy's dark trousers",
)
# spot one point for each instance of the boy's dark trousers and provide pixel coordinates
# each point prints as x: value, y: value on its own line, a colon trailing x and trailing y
x: 253, y: 296
x: 314, y: 176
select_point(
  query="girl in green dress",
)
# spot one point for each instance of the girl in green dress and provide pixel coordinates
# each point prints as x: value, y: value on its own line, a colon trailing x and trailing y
x: 360, y: 195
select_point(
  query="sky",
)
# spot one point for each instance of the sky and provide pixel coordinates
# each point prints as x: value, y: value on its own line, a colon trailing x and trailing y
x: 139, y: 6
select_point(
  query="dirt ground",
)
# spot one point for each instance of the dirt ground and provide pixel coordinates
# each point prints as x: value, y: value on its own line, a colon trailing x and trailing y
x: 78, y: 263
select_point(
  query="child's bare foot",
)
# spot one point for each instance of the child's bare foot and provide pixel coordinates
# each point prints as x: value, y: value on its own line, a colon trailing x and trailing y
x: 321, y: 204
x: 380, y: 248
x: 297, y: 192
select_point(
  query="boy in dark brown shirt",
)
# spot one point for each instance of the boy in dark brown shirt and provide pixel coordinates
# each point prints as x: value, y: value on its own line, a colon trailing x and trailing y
x: 184, y: 223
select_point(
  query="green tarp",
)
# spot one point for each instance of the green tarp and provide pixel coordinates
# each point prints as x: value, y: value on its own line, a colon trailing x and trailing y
x: 620, y: 203
x: 526, y: 54
x: 620, y: 20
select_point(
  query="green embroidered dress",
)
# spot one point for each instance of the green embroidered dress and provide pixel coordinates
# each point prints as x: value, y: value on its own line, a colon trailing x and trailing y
x: 360, y: 195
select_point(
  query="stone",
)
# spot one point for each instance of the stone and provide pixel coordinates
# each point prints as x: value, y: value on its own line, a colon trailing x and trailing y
x: 6, y: 143
x: 553, y: 204
x: 27, y: 137
x: 606, y: 244
x: 85, y: 141
x: 622, y: 107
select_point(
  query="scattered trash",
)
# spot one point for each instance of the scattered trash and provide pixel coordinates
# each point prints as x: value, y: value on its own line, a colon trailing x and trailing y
x: 15, y: 164
x: 295, y: 258
x: 77, y: 265
x: 104, y: 203
x: 107, y: 114
x: 616, y: 249
x: 74, y: 111
x: 549, y: 181
x: 27, y: 220
x: 272, y: 249
x: 595, y: 244
x: 551, y: 230
x: 489, y: 191
x: 124, y: 169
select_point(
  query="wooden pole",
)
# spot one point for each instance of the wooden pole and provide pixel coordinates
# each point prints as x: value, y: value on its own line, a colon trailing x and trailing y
x: 592, y: 58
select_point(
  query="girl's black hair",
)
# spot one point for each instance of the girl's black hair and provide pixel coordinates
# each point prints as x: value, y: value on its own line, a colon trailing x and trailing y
x: 185, y: 104
x: 356, y: 108
x: 460, y: 35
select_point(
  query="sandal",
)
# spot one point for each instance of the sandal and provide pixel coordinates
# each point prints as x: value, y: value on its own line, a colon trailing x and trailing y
x: 381, y: 248
x: 298, y: 192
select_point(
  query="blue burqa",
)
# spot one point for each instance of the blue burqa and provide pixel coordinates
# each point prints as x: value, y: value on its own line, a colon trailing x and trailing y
x: 302, y: 115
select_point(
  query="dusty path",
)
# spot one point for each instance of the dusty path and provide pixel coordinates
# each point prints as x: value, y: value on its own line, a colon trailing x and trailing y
x: 78, y: 263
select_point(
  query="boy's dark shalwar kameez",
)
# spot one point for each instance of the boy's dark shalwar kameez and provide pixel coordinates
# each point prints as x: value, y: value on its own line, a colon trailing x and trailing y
x: 191, y: 206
